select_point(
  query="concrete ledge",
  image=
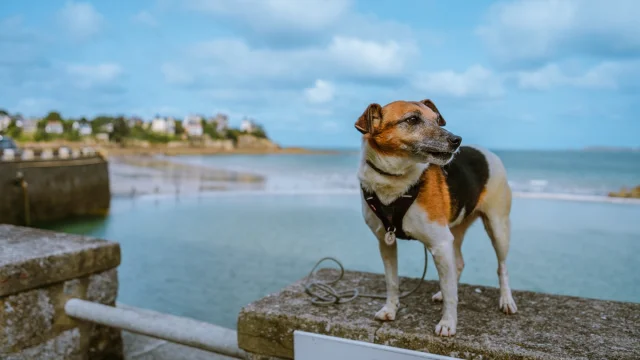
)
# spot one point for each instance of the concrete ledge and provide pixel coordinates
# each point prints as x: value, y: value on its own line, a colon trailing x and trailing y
x: 546, y: 326
x: 32, y: 258
x: 39, y: 272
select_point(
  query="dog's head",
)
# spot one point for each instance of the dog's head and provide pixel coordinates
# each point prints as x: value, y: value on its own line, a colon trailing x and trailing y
x: 409, y: 129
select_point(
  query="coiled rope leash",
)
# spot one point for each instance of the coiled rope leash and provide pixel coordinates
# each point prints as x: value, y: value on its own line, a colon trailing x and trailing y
x: 322, y: 292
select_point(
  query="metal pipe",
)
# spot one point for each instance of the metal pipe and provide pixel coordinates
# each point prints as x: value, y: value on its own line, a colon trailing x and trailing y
x: 172, y: 328
x: 25, y: 197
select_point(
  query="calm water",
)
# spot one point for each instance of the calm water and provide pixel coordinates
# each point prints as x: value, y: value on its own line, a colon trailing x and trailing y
x: 569, y: 172
x: 205, y: 257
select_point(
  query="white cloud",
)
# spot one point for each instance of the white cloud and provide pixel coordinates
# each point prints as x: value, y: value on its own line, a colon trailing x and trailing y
x: 80, y: 20
x: 612, y: 75
x: 321, y: 92
x: 145, y: 18
x: 175, y: 75
x: 235, y: 61
x: 381, y: 58
x: 277, y: 14
x: 536, y: 30
x: 475, y: 82
x: 89, y: 76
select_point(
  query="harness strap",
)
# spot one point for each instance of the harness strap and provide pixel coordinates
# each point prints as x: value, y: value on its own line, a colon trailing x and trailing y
x: 392, y: 215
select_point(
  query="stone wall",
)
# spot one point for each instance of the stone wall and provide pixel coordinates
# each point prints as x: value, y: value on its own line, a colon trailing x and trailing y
x: 57, y: 189
x: 39, y: 272
x: 545, y: 327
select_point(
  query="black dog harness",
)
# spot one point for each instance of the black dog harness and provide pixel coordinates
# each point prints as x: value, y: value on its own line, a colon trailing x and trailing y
x: 392, y: 215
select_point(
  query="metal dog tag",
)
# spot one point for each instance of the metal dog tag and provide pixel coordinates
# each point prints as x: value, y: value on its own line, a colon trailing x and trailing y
x: 390, y: 237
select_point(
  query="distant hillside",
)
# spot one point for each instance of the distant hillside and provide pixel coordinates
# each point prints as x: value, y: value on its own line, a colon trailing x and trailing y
x: 612, y: 148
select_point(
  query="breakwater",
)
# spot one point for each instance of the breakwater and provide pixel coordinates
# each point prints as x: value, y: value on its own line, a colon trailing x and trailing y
x: 52, y: 185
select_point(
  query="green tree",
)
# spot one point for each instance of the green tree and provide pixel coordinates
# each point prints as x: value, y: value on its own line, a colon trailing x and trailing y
x: 53, y: 116
x: 72, y: 135
x: 179, y: 130
x: 42, y: 135
x: 120, y: 130
x: 14, y: 131
x: 4, y: 112
x: 233, y: 134
x: 210, y: 129
x: 67, y: 126
x: 41, y: 124
x: 99, y: 121
x: 259, y: 132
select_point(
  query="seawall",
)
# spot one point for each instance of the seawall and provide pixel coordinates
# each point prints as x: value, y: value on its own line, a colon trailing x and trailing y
x: 56, y: 188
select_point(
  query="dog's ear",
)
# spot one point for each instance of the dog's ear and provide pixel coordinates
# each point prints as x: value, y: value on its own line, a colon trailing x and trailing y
x: 433, y: 107
x: 365, y: 123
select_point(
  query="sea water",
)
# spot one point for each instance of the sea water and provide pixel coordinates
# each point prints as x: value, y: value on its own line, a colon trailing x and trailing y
x: 205, y: 256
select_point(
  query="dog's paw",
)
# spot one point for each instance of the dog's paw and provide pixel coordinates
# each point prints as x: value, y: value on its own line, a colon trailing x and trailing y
x: 437, y: 297
x: 507, y: 304
x: 446, y: 328
x: 387, y: 313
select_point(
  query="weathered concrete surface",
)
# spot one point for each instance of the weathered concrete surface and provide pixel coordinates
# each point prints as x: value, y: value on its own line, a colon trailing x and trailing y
x: 545, y: 327
x: 39, y: 272
x: 31, y: 258
x: 57, y: 189
x: 64, y: 346
x: 34, y: 321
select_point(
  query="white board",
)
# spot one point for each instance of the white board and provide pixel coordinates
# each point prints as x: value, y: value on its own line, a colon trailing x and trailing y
x: 310, y: 346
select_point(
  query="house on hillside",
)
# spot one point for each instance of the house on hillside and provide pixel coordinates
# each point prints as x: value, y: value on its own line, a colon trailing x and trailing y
x: 221, y: 122
x: 192, y: 125
x: 248, y: 125
x: 107, y: 128
x: 163, y: 125
x: 135, y: 121
x: 82, y: 127
x: 28, y: 125
x: 5, y: 121
x: 54, y: 127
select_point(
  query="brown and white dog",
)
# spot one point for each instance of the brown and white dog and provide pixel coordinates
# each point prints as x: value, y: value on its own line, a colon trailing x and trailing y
x: 403, y: 144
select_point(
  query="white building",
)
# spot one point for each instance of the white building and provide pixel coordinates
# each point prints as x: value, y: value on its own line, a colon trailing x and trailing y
x: 222, y: 122
x: 192, y: 125
x: 107, y: 128
x: 135, y: 121
x: 163, y: 125
x: 29, y: 126
x: 5, y: 121
x: 248, y: 125
x: 83, y: 128
x: 54, y: 127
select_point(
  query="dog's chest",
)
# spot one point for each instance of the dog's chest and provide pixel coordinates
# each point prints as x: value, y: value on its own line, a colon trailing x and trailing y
x: 392, y: 213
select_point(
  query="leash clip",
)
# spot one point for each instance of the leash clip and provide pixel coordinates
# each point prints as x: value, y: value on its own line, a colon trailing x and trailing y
x: 390, y: 236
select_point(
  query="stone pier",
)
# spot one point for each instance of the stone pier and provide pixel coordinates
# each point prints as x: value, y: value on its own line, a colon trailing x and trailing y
x: 545, y: 327
x: 39, y: 272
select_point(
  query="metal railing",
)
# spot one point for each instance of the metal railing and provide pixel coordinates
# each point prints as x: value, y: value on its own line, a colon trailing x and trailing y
x: 172, y: 328
x: 63, y: 152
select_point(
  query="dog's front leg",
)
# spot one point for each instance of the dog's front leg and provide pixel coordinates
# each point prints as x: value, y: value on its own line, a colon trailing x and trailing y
x: 443, y: 255
x: 389, y: 255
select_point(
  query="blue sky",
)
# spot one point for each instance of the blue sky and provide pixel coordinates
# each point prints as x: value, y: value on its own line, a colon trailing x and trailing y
x: 505, y: 74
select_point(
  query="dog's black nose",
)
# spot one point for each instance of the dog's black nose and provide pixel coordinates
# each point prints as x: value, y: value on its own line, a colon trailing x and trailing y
x: 454, y: 140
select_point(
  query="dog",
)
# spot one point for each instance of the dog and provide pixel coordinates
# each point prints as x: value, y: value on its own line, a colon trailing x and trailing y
x: 418, y: 183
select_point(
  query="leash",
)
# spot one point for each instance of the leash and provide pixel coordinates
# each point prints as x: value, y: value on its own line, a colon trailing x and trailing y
x: 323, y: 293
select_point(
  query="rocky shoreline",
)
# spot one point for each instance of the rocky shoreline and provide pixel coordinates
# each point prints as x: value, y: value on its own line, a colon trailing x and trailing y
x: 633, y: 193
x: 246, y: 144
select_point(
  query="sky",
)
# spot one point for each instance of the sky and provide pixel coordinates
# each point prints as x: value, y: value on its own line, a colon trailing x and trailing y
x: 517, y: 74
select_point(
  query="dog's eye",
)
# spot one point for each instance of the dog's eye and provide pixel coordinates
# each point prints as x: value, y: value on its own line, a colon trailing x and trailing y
x: 413, y: 120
